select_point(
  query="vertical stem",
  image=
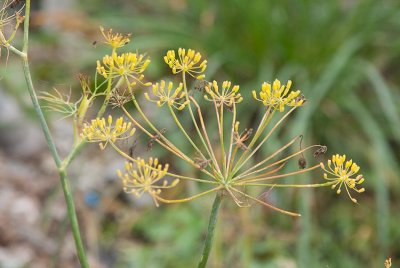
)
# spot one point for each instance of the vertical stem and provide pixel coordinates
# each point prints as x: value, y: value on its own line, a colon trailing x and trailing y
x: 210, y: 232
x: 178, y: 123
x: 223, y: 154
x: 230, y: 158
x: 73, y: 219
x: 63, y: 176
x: 209, y: 150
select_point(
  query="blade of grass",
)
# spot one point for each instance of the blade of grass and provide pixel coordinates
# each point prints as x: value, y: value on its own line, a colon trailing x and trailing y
x: 385, y: 97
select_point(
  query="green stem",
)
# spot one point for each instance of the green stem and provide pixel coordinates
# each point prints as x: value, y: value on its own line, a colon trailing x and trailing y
x: 73, y: 219
x: 178, y: 123
x: 209, y: 150
x: 15, y: 51
x: 222, y: 139
x: 241, y: 162
x: 63, y: 176
x: 108, y: 92
x: 210, y: 232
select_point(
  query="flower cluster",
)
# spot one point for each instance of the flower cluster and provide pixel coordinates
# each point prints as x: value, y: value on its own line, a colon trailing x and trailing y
x: 188, y: 62
x: 128, y: 65
x: 100, y: 131
x: 342, y: 173
x: 227, y: 96
x: 145, y: 177
x: 229, y: 163
x: 277, y: 96
x: 116, y: 40
x: 174, y: 98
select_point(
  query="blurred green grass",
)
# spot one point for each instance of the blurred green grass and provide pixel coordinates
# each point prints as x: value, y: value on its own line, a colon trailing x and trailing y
x: 344, y: 56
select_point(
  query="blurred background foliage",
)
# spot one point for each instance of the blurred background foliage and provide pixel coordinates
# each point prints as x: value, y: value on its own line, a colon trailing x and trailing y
x: 343, y: 55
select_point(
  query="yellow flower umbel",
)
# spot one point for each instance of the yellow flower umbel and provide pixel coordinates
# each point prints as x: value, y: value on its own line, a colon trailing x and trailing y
x: 189, y: 62
x: 146, y: 178
x: 277, y: 96
x: 116, y: 40
x: 128, y: 65
x: 100, y: 131
x: 342, y: 174
x: 227, y: 96
x: 167, y: 95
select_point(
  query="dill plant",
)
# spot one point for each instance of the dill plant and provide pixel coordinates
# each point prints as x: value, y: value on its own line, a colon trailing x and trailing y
x: 227, y: 164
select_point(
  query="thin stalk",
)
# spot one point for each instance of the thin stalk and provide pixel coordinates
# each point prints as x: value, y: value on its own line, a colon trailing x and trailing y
x: 283, y: 160
x: 210, y: 232
x: 220, y: 119
x: 118, y: 150
x: 108, y: 92
x: 230, y: 159
x: 72, y: 154
x: 178, y: 123
x: 203, y: 126
x: 263, y: 124
x: 267, y: 159
x: 15, y: 51
x: 167, y: 142
x: 240, y: 163
x: 312, y: 185
x: 192, y: 115
x: 173, y: 201
x: 167, y: 147
x: 253, y: 179
x: 62, y: 173
x: 266, y: 204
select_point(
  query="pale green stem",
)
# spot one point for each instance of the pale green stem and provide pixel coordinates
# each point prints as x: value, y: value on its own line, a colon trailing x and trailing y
x: 283, y: 160
x: 162, y: 137
x: 162, y: 144
x: 186, y: 199
x: 247, y: 172
x: 97, y: 87
x: 167, y: 142
x: 203, y: 126
x: 13, y: 32
x: 192, y: 116
x: 230, y: 159
x: 266, y: 204
x: 210, y: 231
x: 263, y: 124
x: 223, y: 154
x: 239, y: 164
x: 178, y: 123
x: 118, y: 150
x: 108, y: 92
x: 16, y: 51
x: 314, y: 185
x: 257, y: 178
x: 62, y: 173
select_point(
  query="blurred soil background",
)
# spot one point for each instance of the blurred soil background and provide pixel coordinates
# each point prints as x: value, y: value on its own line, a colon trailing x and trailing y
x: 343, y: 55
